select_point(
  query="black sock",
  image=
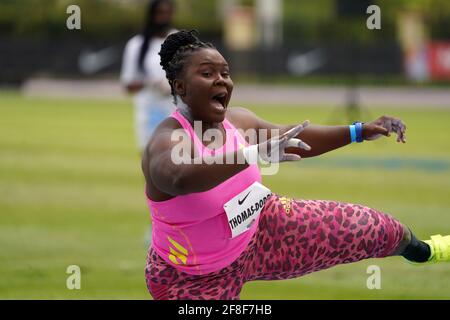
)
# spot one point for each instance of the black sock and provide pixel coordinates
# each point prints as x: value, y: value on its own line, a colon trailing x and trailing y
x: 417, y: 250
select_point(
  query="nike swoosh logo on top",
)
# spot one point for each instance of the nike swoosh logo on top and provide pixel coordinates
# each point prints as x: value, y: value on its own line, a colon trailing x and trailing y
x: 242, y: 201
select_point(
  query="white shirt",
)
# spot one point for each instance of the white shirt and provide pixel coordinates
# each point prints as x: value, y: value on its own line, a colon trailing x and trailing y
x: 153, y: 71
x: 149, y: 102
x: 147, y: 97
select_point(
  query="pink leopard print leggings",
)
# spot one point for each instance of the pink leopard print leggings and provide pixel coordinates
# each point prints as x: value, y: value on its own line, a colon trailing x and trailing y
x: 294, y: 238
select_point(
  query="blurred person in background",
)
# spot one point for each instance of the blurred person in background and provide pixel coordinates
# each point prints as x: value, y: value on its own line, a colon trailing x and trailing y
x: 142, y: 74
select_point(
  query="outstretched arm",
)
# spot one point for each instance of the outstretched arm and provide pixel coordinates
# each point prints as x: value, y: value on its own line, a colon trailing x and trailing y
x: 322, y: 138
x: 171, y: 164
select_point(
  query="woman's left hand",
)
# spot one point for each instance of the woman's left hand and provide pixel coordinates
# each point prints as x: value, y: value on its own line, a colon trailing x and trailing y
x: 384, y: 125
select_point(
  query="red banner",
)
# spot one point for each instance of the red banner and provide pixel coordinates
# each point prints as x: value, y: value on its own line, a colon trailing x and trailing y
x: 439, y: 59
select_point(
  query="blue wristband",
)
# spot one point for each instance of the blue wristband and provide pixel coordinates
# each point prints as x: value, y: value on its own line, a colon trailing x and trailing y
x: 352, y: 133
x: 358, y: 129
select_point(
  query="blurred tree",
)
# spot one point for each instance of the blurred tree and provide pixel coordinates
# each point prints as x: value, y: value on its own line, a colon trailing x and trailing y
x: 47, y: 18
x: 435, y: 12
x: 320, y: 20
x: 202, y: 15
x: 303, y: 20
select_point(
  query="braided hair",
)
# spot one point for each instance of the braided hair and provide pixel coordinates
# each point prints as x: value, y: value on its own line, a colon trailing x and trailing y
x: 174, y: 53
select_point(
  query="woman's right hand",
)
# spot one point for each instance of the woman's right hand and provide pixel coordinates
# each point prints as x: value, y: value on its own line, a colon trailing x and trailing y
x: 274, y: 149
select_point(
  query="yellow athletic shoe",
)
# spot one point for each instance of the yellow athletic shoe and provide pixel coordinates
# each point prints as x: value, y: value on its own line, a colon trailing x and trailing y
x: 440, y: 249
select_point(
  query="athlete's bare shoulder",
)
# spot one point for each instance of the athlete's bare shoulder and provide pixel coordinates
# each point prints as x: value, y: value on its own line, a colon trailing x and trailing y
x: 158, y: 144
x: 166, y: 126
x: 160, y: 139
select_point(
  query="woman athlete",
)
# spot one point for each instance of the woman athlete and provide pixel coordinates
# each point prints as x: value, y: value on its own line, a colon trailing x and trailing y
x: 215, y: 226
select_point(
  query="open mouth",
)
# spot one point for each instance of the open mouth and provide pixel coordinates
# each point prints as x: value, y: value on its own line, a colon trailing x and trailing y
x: 221, y: 98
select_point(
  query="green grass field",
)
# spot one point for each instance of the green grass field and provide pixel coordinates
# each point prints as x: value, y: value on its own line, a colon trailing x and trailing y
x: 71, y: 193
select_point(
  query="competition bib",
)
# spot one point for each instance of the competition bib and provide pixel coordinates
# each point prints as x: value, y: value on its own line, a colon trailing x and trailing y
x: 243, y: 209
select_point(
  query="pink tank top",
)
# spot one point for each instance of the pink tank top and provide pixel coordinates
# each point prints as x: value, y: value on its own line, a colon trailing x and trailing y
x: 191, y: 231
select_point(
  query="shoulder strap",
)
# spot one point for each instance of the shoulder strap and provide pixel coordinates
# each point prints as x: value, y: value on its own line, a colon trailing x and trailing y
x: 188, y: 128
